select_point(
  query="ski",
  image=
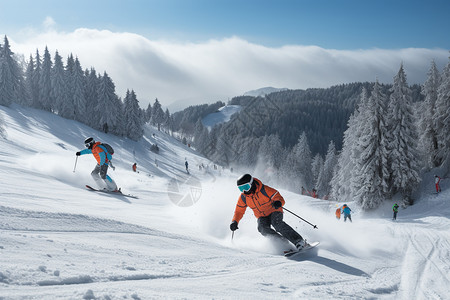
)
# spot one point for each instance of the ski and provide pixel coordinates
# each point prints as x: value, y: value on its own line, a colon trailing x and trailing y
x: 290, y: 253
x: 110, y: 192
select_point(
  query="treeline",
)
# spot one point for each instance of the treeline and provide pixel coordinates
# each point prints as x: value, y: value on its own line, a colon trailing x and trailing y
x: 70, y: 92
x: 362, y: 141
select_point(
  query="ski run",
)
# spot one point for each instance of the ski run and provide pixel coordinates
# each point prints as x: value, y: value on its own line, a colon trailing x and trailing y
x: 59, y: 240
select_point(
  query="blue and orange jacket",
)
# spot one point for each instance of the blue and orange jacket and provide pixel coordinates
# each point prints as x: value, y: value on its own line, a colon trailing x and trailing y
x: 346, y: 210
x: 260, y: 201
x: 101, y: 155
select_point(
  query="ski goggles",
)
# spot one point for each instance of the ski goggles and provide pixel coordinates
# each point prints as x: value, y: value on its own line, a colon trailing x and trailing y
x: 246, y: 186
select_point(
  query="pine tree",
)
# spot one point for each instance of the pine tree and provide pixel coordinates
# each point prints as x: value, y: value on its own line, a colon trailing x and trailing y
x: 442, y: 120
x: 428, y: 132
x: 404, y: 158
x: 29, y: 81
x: 91, y: 95
x: 157, y: 114
x: 323, y: 185
x: 9, y: 75
x: 45, y: 84
x: 133, y: 121
x: 302, y: 163
x: 107, y: 110
x: 62, y: 106
x: 78, y: 92
x: 316, y: 166
x: 371, y: 175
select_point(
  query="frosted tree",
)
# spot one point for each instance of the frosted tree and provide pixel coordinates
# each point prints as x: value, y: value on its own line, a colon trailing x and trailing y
x: 323, y: 185
x: 316, y: 166
x: 91, y: 95
x: 133, y: 120
x: 303, y: 161
x: 370, y: 178
x: 62, y: 106
x: 148, y: 113
x: 107, y: 110
x: 78, y: 92
x: 29, y: 81
x: 442, y: 119
x: 270, y: 156
x: 341, y: 182
x: 157, y: 114
x: 427, y: 126
x: 404, y: 160
x: 45, y: 83
x: 9, y: 75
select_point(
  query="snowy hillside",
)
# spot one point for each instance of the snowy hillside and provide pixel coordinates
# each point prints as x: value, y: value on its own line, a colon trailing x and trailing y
x: 222, y: 115
x: 263, y: 91
x: 61, y: 241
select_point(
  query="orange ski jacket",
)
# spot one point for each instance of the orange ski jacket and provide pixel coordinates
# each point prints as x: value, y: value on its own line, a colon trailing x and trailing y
x: 260, y: 201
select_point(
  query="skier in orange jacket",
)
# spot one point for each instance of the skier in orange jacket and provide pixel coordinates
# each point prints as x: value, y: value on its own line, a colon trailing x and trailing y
x: 266, y: 203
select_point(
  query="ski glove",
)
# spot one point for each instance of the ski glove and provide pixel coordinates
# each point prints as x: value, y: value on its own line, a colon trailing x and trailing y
x: 78, y: 153
x: 276, y: 204
x: 233, y: 226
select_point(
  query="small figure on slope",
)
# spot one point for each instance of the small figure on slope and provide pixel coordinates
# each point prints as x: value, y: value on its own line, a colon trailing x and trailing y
x: 266, y: 203
x: 347, y: 213
x: 437, y: 179
x: 338, y: 213
x: 103, y: 159
x: 134, y: 167
x: 395, y: 210
x: 187, y: 166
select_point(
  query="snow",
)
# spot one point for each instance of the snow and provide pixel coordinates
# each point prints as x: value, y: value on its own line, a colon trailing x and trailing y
x: 222, y: 115
x: 59, y: 240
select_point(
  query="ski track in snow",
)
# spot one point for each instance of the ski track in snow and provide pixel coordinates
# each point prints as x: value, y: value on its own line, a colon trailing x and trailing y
x: 60, y: 241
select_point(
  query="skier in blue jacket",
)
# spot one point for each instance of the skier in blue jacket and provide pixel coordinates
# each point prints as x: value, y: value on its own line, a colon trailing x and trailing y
x: 346, y: 211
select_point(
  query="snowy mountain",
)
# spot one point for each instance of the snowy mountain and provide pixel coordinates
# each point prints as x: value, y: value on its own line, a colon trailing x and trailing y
x: 222, y: 115
x: 62, y: 241
x: 263, y: 91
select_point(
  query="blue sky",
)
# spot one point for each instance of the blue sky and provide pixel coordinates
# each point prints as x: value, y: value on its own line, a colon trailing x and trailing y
x: 193, y: 50
x: 347, y: 24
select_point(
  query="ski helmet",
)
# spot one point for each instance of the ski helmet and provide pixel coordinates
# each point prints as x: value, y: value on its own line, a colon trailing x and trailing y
x: 245, y: 182
x: 89, y: 142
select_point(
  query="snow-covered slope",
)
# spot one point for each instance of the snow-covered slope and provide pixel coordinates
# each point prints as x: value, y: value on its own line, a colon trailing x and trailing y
x: 222, y: 115
x: 61, y: 241
x: 263, y: 91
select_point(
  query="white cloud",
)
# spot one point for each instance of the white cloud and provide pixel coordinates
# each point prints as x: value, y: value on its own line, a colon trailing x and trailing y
x: 220, y: 69
x: 49, y: 23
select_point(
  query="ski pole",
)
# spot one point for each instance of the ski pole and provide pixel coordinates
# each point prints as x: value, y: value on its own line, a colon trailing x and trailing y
x: 314, y: 226
x: 232, y: 236
x: 74, y: 167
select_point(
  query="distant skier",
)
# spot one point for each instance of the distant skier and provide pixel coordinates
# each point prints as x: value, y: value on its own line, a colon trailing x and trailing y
x: 395, y: 210
x: 187, y: 166
x: 134, y: 167
x: 266, y: 203
x: 347, y: 213
x: 103, y: 159
x: 437, y: 179
x: 338, y: 213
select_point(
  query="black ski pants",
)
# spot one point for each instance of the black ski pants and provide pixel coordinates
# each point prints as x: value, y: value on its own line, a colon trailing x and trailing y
x: 282, y: 230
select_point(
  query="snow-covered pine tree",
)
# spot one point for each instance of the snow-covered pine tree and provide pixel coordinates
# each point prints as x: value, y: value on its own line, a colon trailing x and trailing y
x: 148, y: 113
x: 91, y: 95
x: 323, y: 185
x: 106, y: 112
x: 133, y: 121
x: 157, y: 114
x: 45, y: 83
x: 59, y: 91
x: 316, y: 166
x: 302, y: 163
x: 370, y: 179
x: 442, y: 119
x: 78, y: 94
x: 427, y: 126
x: 9, y: 75
x: 404, y: 158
